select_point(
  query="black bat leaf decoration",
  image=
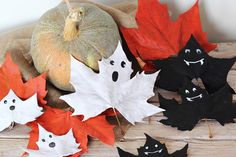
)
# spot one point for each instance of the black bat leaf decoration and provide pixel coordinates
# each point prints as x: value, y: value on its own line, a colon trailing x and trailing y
x: 123, y: 153
x: 193, y: 62
x: 196, y: 105
x: 154, y: 148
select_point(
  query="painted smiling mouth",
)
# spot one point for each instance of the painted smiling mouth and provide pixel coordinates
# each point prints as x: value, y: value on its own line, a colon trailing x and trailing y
x: 195, y: 97
x: 195, y: 62
x: 157, y: 151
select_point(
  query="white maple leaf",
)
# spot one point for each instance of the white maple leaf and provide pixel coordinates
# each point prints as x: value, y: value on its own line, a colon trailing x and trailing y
x: 51, y: 145
x: 13, y: 109
x: 111, y: 88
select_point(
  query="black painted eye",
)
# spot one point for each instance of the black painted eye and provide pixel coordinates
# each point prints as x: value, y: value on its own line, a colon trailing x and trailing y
x: 198, y: 51
x: 5, y: 101
x: 14, y: 100
x: 123, y: 64
x: 187, y: 51
x: 112, y: 62
x: 43, y: 140
x: 50, y: 136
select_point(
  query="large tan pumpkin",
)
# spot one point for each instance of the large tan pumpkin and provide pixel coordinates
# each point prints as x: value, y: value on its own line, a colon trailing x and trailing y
x: 88, y: 33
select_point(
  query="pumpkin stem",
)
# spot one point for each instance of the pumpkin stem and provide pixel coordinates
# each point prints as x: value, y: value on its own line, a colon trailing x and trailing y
x: 68, y: 4
x: 71, y: 29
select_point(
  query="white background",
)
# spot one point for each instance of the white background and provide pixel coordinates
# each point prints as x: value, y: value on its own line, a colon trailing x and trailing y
x: 218, y: 16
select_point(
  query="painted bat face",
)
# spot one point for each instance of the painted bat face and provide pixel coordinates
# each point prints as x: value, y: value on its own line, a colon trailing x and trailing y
x: 192, y: 53
x: 193, y: 56
x: 118, y: 67
x: 152, y: 148
x: 191, y: 93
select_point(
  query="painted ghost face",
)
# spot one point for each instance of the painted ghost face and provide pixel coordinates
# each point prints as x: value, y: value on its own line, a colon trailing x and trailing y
x: 192, y: 54
x: 191, y: 93
x: 117, y: 66
x: 152, y: 148
x: 46, y: 140
x: 61, y: 145
x: 13, y: 109
x: 11, y: 101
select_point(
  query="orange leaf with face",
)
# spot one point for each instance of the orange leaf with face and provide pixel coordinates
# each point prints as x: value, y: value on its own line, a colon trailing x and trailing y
x: 59, y: 122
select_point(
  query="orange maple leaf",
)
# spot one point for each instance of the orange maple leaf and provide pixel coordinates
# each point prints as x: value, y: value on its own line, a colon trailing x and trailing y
x: 158, y: 37
x: 59, y: 122
x: 10, y: 78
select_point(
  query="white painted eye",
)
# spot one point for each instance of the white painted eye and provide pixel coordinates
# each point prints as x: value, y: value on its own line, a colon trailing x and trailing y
x: 156, y: 145
x: 146, y: 147
x: 198, y: 51
x: 186, y: 91
x: 194, y: 89
x: 187, y: 51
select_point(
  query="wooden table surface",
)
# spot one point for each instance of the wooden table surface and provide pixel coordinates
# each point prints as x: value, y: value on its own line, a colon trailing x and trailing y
x: 222, y: 144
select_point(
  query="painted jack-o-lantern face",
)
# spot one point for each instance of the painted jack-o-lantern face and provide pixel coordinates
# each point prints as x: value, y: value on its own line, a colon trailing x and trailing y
x: 152, y: 148
x: 191, y: 93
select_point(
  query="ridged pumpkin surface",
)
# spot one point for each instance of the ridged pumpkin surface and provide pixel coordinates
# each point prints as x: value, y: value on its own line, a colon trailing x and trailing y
x: 98, y: 37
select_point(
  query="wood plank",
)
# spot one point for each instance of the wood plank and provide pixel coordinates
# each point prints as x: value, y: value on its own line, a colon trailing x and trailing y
x: 12, y: 147
x: 200, y: 132
x: 18, y: 132
x: 224, y: 50
x: 197, y: 148
x: 152, y: 126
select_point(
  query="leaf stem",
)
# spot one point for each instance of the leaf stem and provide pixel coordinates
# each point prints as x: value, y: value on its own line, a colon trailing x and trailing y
x: 210, y: 132
x: 118, y: 121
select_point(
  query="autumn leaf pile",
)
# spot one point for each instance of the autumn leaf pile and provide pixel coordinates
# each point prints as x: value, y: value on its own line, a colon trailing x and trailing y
x: 54, y: 120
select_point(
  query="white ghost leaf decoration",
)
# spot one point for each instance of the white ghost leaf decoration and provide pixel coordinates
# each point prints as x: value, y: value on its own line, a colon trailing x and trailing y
x: 111, y: 88
x: 51, y: 145
x: 13, y: 109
